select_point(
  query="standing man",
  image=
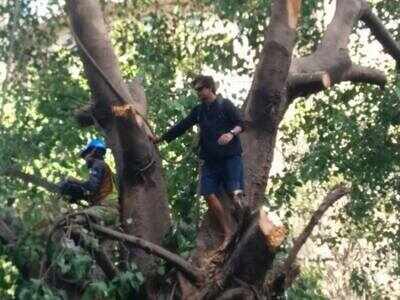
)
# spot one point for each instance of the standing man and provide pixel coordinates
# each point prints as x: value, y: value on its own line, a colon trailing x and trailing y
x: 220, y: 124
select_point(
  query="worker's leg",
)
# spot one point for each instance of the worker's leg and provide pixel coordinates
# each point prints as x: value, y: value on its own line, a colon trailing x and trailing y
x: 218, y: 212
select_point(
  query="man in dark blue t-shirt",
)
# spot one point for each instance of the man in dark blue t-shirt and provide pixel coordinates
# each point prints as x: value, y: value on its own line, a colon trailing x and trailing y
x: 220, y: 123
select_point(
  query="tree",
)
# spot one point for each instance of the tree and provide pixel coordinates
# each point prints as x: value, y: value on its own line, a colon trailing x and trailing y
x: 119, y: 112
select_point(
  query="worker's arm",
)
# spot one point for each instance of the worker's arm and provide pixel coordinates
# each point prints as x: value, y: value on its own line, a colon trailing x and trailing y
x: 181, y: 127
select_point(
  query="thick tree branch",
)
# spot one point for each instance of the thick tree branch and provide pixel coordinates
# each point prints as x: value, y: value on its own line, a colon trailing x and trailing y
x: 328, y: 201
x: 381, y: 33
x: 273, y: 68
x: 306, y: 72
x: 252, y: 250
x: 283, y: 275
x: 304, y: 84
x: 193, y: 273
x: 360, y: 74
x: 332, y: 49
x: 27, y: 178
x: 267, y: 97
x: 143, y: 202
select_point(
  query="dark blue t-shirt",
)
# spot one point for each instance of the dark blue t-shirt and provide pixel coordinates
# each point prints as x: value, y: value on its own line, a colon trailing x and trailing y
x: 214, y: 119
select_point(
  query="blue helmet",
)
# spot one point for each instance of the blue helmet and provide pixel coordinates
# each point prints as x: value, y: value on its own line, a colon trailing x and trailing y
x: 94, y: 144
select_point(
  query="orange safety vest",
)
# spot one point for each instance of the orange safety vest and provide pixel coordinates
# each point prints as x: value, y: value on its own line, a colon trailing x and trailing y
x: 106, y: 188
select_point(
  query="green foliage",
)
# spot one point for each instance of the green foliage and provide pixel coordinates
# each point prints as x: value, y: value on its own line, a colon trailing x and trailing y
x: 351, y: 134
x: 359, y: 282
x: 8, y: 278
x: 74, y: 265
x: 36, y: 289
x: 308, y: 286
x: 124, y: 286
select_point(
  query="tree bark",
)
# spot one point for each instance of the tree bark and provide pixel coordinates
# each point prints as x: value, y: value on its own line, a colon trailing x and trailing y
x: 278, y: 80
x: 193, y: 273
x: 264, y: 107
x: 143, y: 204
x: 332, y: 56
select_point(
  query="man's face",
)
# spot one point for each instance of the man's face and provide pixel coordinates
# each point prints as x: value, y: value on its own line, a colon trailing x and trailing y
x: 89, y: 158
x: 204, y: 93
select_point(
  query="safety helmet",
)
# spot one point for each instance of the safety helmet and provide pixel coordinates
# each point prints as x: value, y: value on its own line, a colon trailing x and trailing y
x: 94, y: 144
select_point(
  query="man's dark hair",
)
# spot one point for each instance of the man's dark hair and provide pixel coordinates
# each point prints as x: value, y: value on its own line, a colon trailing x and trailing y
x: 205, y: 81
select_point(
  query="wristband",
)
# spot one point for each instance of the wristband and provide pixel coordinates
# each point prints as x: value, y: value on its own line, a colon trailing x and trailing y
x: 233, y: 132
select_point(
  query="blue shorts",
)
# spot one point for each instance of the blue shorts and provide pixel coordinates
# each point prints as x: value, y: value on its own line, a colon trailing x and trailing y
x: 224, y: 174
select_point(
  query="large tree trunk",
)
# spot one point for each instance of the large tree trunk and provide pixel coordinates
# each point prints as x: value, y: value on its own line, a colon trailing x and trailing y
x: 143, y: 201
x: 265, y: 105
x: 118, y: 110
x: 240, y: 269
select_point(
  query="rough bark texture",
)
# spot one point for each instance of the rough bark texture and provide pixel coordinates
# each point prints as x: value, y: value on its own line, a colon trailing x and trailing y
x: 265, y: 103
x: 143, y: 202
x: 332, y: 55
x: 249, y: 255
x: 118, y: 110
x: 278, y: 80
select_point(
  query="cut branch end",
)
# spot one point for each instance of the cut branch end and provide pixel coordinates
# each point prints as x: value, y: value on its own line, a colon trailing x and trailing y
x: 274, y: 235
x: 326, y: 80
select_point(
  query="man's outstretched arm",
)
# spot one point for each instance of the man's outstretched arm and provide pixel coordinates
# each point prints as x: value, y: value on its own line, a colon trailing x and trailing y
x: 180, y: 128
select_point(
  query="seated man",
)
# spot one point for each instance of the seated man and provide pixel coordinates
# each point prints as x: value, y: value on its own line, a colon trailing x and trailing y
x: 99, y: 185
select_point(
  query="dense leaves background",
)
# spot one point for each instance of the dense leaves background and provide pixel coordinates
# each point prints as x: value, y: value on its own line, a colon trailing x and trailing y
x: 349, y: 133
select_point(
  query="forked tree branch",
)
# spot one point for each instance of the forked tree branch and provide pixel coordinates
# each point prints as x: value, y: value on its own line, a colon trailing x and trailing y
x: 360, y: 74
x: 330, y: 199
x: 305, y: 78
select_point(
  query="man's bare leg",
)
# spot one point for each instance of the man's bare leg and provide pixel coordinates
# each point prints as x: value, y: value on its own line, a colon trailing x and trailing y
x: 218, y: 211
